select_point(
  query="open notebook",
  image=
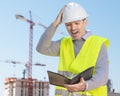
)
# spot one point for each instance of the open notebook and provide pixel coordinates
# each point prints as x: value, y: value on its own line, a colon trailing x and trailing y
x: 59, y: 80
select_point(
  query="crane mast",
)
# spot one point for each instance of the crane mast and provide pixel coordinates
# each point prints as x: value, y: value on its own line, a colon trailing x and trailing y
x: 29, y: 65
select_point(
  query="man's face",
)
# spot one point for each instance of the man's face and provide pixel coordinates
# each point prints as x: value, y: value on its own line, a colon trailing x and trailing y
x: 76, y: 28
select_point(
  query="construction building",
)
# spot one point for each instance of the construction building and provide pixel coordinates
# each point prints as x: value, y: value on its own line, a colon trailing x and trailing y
x: 114, y: 94
x: 19, y: 87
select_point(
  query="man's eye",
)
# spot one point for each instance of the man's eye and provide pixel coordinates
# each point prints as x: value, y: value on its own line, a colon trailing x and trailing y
x: 68, y: 24
x: 77, y: 23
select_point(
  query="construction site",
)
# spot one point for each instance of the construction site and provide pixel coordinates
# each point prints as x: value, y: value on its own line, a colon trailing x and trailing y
x: 27, y: 85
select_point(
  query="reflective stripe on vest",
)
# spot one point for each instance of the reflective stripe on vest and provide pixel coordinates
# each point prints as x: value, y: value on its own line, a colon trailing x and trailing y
x: 87, y: 57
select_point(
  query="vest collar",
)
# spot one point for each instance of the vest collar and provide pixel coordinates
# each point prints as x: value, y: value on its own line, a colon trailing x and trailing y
x: 86, y: 35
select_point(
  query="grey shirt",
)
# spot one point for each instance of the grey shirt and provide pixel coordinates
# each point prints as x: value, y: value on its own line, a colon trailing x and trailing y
x: 52, y: 48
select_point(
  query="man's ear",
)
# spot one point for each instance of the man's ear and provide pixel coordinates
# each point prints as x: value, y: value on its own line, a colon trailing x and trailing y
x: 85, y: 22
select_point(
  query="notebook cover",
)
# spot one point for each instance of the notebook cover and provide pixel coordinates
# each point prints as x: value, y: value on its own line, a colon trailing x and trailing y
x: 59, y: 80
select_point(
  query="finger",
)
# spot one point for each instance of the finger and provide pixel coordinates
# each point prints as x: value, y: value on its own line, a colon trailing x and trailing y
x: 82, y: 79
x: 61, y: 11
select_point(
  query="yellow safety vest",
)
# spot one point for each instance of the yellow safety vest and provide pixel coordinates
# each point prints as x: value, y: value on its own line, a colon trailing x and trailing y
x: 87, y: 57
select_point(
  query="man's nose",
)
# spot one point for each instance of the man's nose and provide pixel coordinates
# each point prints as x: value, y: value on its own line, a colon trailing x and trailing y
x: 73, y: 27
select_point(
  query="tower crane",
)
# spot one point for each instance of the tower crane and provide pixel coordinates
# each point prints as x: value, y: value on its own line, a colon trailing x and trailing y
x: 14, y: 63
x: 21, y: 63
x: 29, y: 64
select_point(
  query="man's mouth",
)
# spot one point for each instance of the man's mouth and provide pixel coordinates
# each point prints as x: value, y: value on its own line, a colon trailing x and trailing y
x: 74, y: 33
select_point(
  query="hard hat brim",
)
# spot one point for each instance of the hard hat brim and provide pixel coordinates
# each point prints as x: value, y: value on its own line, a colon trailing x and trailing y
x: 74, y: 19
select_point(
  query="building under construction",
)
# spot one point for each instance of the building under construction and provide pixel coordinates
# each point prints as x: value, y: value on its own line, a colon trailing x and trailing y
x: 19, y: 87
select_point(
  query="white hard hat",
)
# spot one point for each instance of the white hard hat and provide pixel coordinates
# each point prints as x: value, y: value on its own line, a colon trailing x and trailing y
x: 73, y: 12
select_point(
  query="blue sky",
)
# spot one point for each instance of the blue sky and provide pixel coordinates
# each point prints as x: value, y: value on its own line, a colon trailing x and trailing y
x: 14, y: 34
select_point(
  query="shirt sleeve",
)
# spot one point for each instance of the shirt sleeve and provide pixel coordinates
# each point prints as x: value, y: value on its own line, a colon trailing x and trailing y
x: 45, y: 45
x: 102, y: 70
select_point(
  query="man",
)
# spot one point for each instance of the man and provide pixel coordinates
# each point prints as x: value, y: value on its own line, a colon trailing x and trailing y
x: 77, y: 53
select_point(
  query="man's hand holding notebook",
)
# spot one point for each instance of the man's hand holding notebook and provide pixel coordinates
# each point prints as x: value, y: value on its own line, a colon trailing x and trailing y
x: 59, y: 80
